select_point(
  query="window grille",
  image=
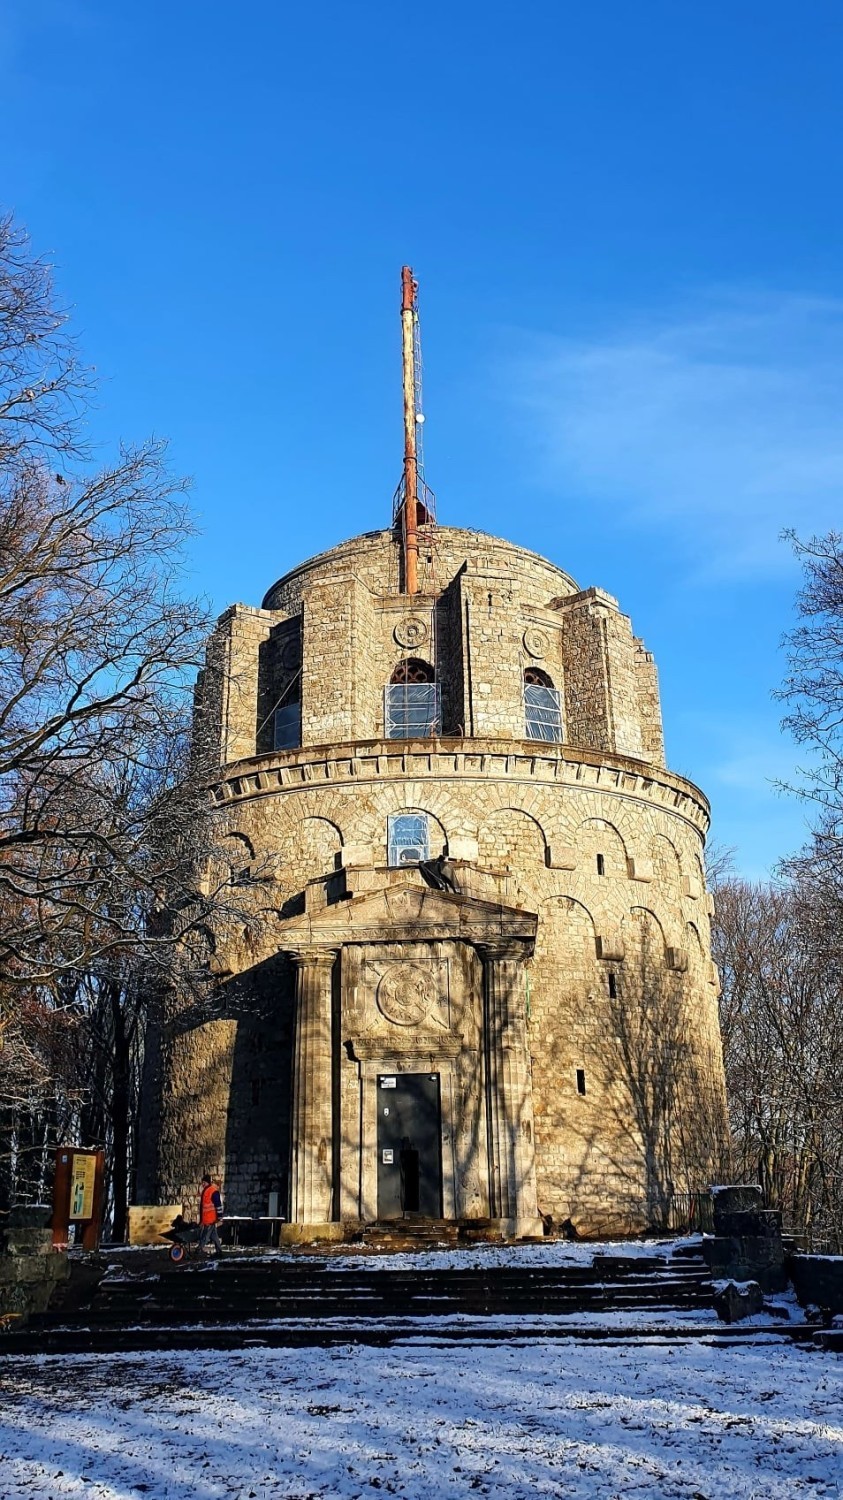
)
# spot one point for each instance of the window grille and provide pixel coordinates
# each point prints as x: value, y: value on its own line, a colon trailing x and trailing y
x: 287, y: 727
x: 542, y: 712
x: 408, y: 839
x: 412, y: 710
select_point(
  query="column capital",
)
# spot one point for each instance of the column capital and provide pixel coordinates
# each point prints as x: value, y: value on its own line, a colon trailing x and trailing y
x: 493, y: 950
x: 312, y: 958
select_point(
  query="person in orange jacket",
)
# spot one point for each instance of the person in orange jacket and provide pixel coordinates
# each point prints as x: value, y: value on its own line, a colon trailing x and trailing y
x: 210, y: 1213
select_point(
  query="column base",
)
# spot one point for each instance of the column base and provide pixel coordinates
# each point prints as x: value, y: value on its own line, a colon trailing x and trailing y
x: 304, y: 1234
x: 525, y: 1227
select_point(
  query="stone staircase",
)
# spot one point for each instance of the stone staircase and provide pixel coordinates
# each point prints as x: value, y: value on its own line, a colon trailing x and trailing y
x: 390, y: 1235
x: 142, y: 1301
x: 130, y: 1300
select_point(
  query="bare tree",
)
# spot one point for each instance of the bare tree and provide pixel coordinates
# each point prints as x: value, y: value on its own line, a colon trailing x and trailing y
x: 105, y: 825
x: 779, y: 952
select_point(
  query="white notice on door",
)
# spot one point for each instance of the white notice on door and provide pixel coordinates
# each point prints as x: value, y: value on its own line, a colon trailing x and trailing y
x: 387, y: 1156
x: 388, y: 1083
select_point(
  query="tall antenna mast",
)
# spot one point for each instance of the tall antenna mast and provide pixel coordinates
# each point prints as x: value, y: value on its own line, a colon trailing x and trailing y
x: 410, y: 509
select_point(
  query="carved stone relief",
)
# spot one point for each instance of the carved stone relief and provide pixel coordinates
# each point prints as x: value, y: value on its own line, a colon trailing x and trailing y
x: 406, y: 994
x: 412, y: 631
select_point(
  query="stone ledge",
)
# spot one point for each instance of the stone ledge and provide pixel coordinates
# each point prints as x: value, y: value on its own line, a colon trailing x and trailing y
x: 362, y: 761
x: 437, y: 1044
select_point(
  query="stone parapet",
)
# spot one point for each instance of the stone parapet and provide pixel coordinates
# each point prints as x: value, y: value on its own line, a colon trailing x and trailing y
x: 377, y: 761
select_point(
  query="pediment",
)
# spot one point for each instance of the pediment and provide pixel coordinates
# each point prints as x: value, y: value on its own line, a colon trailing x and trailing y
x: 407, y: 913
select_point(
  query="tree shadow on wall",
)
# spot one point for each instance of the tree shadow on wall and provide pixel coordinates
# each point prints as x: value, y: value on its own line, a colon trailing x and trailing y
x: 655, y: 1109
x: 235, y: 1110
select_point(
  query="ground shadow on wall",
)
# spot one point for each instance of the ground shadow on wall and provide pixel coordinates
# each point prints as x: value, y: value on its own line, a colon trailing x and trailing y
x: 260, y: 1001
x: 652, y: 1125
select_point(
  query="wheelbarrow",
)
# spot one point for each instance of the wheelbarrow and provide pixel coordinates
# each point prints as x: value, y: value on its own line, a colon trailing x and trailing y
x: 184, y: 1239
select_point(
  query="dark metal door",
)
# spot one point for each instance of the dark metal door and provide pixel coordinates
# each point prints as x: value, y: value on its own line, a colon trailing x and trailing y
x: 409, y: 1145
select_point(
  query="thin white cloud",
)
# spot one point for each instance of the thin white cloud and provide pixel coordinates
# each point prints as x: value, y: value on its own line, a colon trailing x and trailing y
x: 725, y: 424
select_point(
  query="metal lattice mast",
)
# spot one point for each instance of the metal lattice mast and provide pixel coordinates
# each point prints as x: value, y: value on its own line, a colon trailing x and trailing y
x: 410, y: 508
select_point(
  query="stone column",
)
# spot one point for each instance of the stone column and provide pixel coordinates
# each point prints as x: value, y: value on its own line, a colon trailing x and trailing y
x: 312, y: 1150
x: 509, y: 1089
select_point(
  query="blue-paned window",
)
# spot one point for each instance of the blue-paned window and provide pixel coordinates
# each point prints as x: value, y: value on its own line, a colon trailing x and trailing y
x: 408, y: 838
x: 287, y: 727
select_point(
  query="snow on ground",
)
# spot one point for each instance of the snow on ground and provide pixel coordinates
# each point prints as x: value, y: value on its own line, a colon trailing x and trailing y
x: 477, y: 1257
x: 485, y: 1256
x: 656, y: 1421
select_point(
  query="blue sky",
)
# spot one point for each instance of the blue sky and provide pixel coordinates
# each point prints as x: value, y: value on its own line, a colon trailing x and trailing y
x: 626, y: 221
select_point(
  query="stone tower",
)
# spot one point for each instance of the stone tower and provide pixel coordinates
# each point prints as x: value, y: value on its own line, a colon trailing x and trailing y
x: 527, y: 1027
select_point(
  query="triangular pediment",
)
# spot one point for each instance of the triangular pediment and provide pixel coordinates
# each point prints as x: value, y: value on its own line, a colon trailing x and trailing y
x: 407, y: 913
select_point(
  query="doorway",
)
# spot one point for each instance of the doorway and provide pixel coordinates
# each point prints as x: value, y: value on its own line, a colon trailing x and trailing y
x: 409, y: 1146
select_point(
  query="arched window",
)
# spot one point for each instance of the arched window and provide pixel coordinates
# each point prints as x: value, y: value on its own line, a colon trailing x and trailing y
x: 542, y: 710
x: 408, y: 838
x: 287, y: 718
x: 411, y: 701
x: 413, y: 669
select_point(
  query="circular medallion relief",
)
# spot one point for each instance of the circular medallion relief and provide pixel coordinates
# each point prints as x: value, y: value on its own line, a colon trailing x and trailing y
x: 411, y: 631
x: 406, y: 994
x: 536, y: 642
x: 290, y: 653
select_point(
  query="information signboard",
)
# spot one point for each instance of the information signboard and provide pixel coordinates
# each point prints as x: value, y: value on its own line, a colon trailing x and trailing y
x: 83, y: 1173
x: 78, y: 1196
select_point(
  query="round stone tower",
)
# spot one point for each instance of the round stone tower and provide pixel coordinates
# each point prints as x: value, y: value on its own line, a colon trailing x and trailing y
x: 478, y: 984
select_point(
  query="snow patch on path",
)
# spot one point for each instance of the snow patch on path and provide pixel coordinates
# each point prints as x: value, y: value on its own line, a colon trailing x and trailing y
x: 685, y: 1422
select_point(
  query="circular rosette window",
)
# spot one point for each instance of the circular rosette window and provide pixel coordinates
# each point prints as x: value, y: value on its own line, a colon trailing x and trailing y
x: 406, y: 994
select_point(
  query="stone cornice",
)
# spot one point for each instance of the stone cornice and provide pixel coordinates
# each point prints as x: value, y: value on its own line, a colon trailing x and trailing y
x: 370, y: 761
x: 376, y: 1045
x: 401, y: 914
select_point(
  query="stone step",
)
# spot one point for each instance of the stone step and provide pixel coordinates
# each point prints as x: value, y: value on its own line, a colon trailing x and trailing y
x: 208, y: 1299
x: 126, y: 1299
x: 242, y: 1289
x: 376, y: 1297
x: 201, y: 1284
x: 84, y: 1340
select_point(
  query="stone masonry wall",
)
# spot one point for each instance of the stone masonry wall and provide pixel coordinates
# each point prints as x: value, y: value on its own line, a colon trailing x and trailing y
x: 538, y: 838
x: 486, y: 613
x: 592, y: 835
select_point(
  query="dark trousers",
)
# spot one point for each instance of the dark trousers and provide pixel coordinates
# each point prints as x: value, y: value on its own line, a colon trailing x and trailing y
x: 209, y: 1232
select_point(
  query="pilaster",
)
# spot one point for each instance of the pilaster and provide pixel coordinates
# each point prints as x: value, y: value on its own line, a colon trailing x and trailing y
x: 509, y: 1092
x: 312, y: 1148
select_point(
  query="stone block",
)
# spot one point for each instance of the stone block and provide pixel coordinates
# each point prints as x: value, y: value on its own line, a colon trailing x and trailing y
x: 561, y: 857
x: 738, y: 1197
x: 462, y: 847
x: 640, y: 869
x: 677, y: 959
x: 356, y: 856
x: 733, y: 1257
x: 308, y: 1234
x: 818, y: 1281
x: 734, y: 1300
x: 610, y: 945
x: 761, y: 1224
x: 691, y: 887
x: 26, y: 1242
x: 29, y: 1216
x: 148, y: 1221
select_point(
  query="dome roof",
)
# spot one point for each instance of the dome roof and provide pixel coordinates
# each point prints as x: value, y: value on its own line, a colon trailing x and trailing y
x: 375, y: 559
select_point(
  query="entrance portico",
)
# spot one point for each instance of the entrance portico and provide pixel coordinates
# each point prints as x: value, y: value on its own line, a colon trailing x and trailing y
x: 407, y: 982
